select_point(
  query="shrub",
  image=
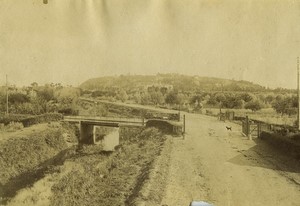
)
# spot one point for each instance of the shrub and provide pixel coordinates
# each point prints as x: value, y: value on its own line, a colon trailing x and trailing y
x: 254, y: 105
x: 6, y: 119
x: 48, y: 117
x: 14, y: 126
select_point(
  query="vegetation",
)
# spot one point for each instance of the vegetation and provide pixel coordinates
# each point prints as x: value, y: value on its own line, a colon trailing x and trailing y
x: 189, y: 92
x: 24, y: 158
x: 99, y: 179
x: 36, y: 99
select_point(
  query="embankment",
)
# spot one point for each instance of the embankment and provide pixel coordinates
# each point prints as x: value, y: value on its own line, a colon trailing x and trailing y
x: 25, y: 159
x: 110, y: 178
x: 290, y: 145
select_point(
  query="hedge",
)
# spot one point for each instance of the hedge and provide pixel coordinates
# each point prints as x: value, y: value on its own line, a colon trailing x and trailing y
x: 48, y: 117
x: 28, y: 120
x: 4, y: 119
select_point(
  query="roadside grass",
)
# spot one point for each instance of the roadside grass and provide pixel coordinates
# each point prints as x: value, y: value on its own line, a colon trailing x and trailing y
x: 110, y: 179
x: 11, y: 127
x: 23, y: 157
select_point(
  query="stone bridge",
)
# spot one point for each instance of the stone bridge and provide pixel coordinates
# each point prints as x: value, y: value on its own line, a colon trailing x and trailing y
x: 88, y: 126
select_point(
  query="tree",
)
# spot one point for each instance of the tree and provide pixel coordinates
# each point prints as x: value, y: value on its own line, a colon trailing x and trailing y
x: 286, y: 105
x: 46, y: 93
x: 247, y: 97
x: 164, y: 90
x: 137, y: 98
x: 157, y: 97
x: 67, y: 95
x: 145, y: 98
x: 220, y: 97
x: 172, y: 98
x: 212, y: 100
x: 18, y: 98
x: 232, y: 101
x: 122, y: 95
x: 254, y: 105
x: 34, y: 84
x: 269, y: 98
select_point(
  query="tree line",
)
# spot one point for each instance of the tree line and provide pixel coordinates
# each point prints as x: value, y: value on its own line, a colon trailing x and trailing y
x: 282, y: 103
x: 36, y: 99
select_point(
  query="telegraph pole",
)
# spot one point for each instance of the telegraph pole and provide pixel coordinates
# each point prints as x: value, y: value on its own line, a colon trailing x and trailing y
x: 298, y: 95
x: 6, y: 96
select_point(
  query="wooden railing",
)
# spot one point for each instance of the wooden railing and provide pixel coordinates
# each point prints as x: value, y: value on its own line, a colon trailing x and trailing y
x: 104, y: 119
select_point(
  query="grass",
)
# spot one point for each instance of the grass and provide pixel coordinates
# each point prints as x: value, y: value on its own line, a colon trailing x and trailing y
x: 23, y: 157
x: 109, y: 179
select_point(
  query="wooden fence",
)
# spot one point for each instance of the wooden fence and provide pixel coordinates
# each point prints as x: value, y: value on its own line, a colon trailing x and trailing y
x: 254, y: 128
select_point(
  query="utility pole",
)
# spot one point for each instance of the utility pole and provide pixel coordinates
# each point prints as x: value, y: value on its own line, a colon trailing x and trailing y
x: 6, y: 96
x: 298, y: 95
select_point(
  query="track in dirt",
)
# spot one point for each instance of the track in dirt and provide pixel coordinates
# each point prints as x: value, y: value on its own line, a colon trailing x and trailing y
x: 224, y: 168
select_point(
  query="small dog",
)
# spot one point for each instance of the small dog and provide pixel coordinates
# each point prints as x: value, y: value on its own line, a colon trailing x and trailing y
x: 228, y: 128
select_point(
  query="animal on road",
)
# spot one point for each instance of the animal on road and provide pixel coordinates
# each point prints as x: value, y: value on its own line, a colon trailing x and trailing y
x: 228, y: 128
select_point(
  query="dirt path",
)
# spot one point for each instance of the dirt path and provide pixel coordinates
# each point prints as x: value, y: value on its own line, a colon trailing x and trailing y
x: 224, y: 168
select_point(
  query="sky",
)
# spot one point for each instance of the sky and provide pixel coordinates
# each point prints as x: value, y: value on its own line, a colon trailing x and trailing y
x: 70, y: 41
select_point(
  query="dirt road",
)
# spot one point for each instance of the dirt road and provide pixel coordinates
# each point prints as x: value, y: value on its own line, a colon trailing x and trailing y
x: 224, y: 168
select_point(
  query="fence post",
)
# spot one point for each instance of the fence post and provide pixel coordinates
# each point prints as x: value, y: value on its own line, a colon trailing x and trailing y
x: 258, y: 129
x: 247, y: 126
x: 183, y: 123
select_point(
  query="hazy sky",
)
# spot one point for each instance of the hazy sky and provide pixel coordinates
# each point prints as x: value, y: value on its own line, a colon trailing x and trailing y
x: 70, y: 41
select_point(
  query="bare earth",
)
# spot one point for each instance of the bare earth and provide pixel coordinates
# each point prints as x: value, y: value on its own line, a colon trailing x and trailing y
x: 224, y: 168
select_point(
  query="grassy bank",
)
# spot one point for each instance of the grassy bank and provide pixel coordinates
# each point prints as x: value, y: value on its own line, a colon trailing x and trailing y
x: 109, y: 179
x: 24, y: 159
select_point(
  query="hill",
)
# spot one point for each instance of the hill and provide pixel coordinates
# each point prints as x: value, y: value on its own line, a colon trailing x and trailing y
x: 176, y: 81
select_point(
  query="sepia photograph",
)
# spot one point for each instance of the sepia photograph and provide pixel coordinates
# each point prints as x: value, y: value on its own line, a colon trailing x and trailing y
x: 149, y: 102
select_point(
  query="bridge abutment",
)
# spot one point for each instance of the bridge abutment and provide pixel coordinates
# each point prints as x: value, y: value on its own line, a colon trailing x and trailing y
x: 86, y: 133
x: 108, y: 137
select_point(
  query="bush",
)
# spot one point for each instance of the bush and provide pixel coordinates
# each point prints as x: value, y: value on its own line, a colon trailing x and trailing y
x: 254, y: 105
x: 48, y: 117
x: 14, y: 126
x: 6, y: 119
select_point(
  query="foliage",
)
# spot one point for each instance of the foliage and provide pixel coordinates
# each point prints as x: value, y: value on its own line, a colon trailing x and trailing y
x: 173, y: 98
x: 6, y: 119
x: 254, y: 105
x: 286, y: 105
x: 18, y: 98
x: 37, y: 100
x: 145, y: 98
x: 48, y: 117
x: 67, y: 95
x: 98, y: 179
x: 98, y: 110
x: 122, y: 95
x: 178, y: 82
x: 14, y: 126
x: 46, y: 93
x: 22, y: 154
x: 232, y: 101
x: 157, y: 97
